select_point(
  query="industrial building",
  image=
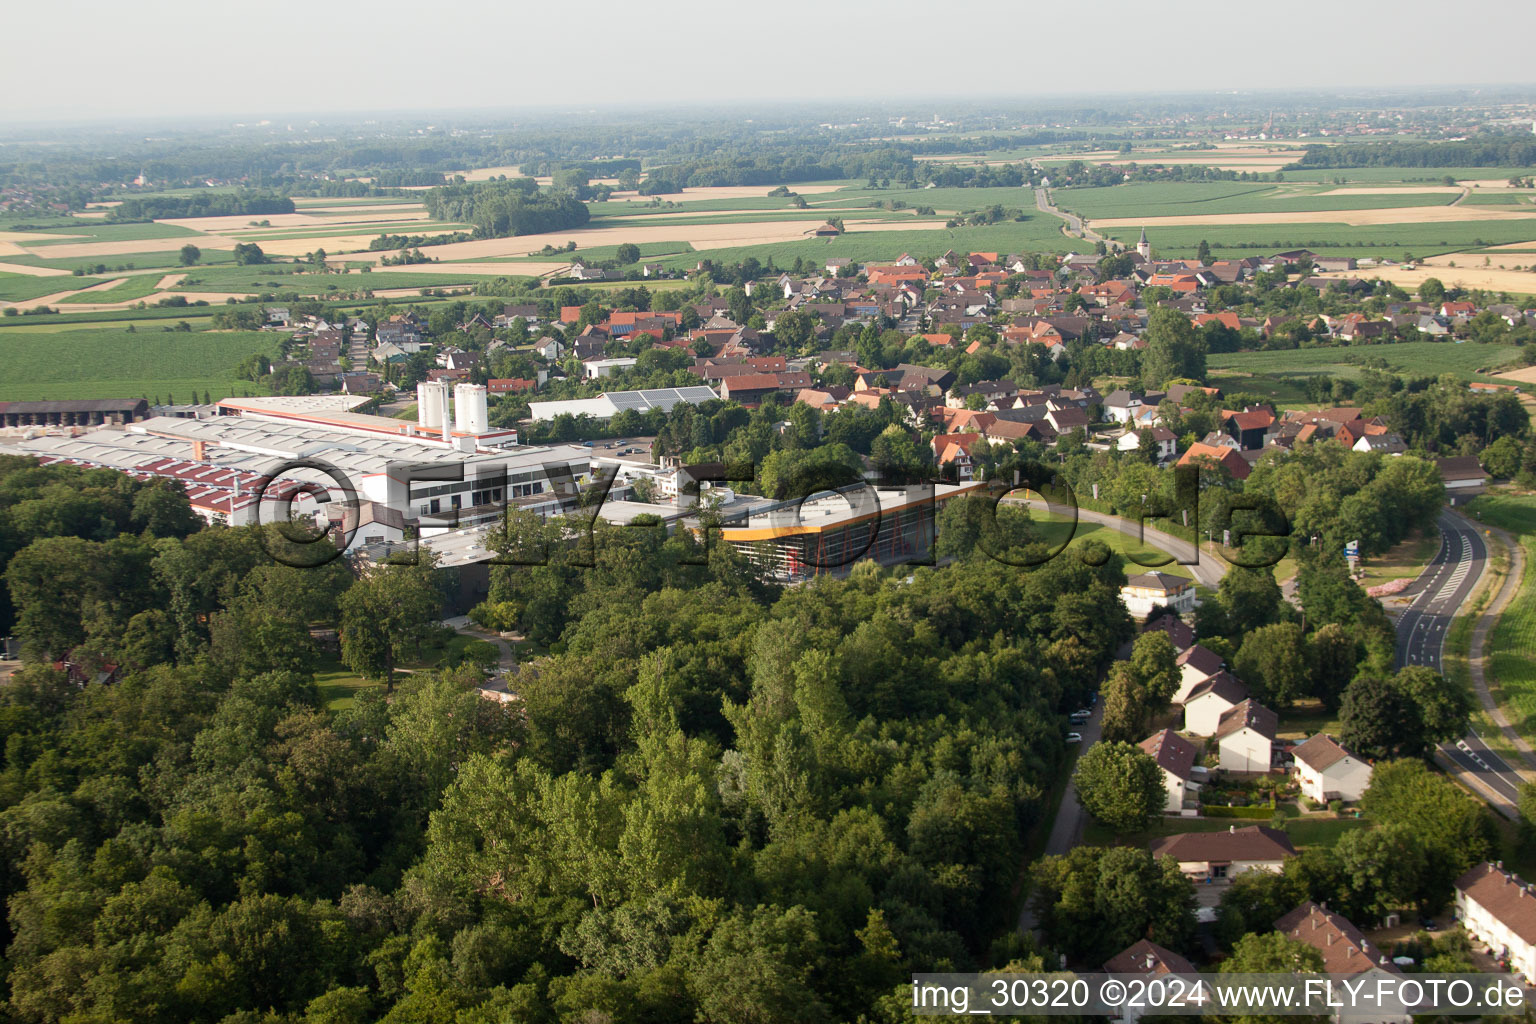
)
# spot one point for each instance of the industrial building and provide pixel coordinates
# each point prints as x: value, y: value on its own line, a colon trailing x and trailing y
x: 81, y: 413
x: 429, y: 474
x: 797, y: 540
x: 607, y: 405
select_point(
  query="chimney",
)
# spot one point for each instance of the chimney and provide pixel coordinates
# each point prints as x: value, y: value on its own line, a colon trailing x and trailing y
x: 200, y: 451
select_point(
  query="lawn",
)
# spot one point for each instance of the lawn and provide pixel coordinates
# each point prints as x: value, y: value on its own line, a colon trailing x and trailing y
x: 116, y: 363
x: 1406, y: 559
x: 1139, y: 557
x: 1511, y: 648
x: 1320, y: 830
x: 339, y: 685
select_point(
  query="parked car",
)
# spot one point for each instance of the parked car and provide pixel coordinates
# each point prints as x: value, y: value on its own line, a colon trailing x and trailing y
x: 1074, y: 737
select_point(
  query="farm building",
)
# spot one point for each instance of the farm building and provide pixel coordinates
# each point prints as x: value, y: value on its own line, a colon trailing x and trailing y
x: 82, y: 413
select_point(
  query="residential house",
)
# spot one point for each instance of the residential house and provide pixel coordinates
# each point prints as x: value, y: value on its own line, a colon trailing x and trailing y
x: 1176, y: 757
x: 1245, y: 737
x: 551, y: 349
x: 1180, y: 634
x: 1344, y: 948
x: 596, y: 369
x: 509, y: 385
x: 1381, y: 444
x: 1122, y: 405
x: 1213, y: 455
x: 1251, y: 427
x: 1209, y: 700
x: 1327, y: 771
x: 1196, y: 665
x: 1148, y: 959
x: 1219, y: 857
x: 1165, y: 441
x: 1498, y: 909
x: 1150, y: 590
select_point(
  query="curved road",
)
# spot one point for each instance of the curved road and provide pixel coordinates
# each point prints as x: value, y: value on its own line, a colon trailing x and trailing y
x: 1075, y: 225
x: 1206, y: 571
x: 1445, y: 585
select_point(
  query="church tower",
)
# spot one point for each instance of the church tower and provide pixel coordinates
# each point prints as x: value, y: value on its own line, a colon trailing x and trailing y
x: 1144, y: 247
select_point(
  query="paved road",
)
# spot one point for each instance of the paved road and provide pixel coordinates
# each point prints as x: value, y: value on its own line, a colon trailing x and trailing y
x: 1446, y: 584
x: 1075, y: 225
x: 1067, y: 829
x: 1207, y: 570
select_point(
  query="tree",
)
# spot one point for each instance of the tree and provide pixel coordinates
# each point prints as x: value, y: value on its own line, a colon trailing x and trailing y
x: 1203, y: 253
x: 1269, y: 952
x: 1432, y: 291
x: 1273, y: 662
x: 1127, y: 706
x: 1405, y: 715
x: 627, y: 253
x: 1502, y: 459
x: 1095, y: 901
x: 1120, y: 785
x: 190, y: 254
x: 248, y: 254
x: 1383, y: 870
x: 1452, y: 828
x: 1155, y: 664
x: 1332, y: 654
x: 385, y: 616
x: 1253, y: 902
x: 1174, y: 349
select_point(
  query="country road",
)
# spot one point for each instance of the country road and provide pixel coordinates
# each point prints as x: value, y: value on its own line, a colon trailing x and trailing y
x: 1445, y: 585
x: 1075, y: 225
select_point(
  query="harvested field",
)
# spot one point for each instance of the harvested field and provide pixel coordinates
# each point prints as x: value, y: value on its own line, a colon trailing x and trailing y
x: 34, y: 236
x: 481, y: 269
x: 1352, y: 218
x: 1392, y: 190
x: 22, y: 268
x: 170, y: 281
x: 700, y: 236
x: 487, y: 173
x: 1516, y: 282
x: 140, y: 245
x: 1525, y: 375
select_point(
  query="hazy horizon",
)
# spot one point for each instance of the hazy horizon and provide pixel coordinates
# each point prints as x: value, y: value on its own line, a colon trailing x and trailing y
x: 177, y: 59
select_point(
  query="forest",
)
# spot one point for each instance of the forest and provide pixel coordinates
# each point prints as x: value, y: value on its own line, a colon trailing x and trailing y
x: 1510, y: 152
x: 213, y: 204
x: 508, y: 207
x: 717, y: 801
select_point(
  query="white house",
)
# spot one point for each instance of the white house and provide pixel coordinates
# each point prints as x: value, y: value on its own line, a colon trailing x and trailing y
x: 1175, y: 755
x: 1152, y: 590
x: 1196, y: 665
x: 1245, y: 737
x: 1210, y: 700
x: 1166, y: 441
x: 551, y: 349
x: 1498, y: 909
x: 1326, y: 771
x: 1222, y: 856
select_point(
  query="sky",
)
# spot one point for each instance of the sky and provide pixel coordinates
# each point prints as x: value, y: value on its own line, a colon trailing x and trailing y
x: 172, y: 58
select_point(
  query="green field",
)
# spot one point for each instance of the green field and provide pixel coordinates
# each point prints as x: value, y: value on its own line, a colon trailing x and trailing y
x: 283, y: 278
x: 1172, y: 199
x: 136, y: 287
x: 1511, y: 648
x: 166, y: 261
x: 115, y: 363
x: 1393, y: 241
x: 1281, y: 376
x: 25, y: 287
x: 106, y: 231
x: 1040, y: 233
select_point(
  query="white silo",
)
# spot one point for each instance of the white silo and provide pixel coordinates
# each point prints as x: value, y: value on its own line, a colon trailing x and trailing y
x: 429, y: 405
x: 471, y: 415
